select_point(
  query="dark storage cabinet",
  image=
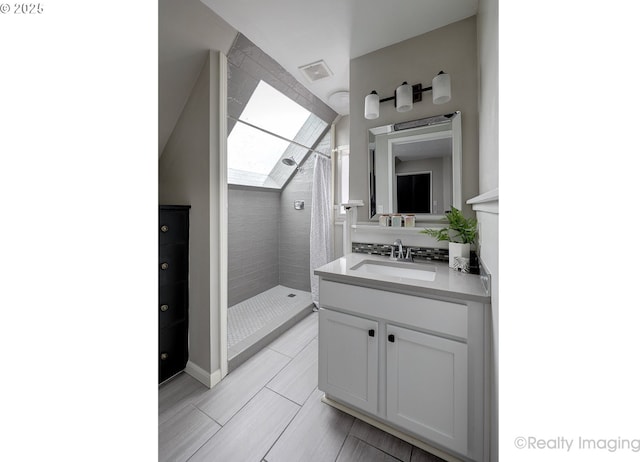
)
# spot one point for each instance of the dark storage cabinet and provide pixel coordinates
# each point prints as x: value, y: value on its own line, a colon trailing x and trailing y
x: 173, y: 299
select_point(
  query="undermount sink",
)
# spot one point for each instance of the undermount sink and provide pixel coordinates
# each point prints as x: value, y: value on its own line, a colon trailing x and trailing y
x: 398, y: 269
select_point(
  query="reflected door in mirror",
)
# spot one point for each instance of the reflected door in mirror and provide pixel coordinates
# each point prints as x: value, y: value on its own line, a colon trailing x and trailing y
x: 414, y: 192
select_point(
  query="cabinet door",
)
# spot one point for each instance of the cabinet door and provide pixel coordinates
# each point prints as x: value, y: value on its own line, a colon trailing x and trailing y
x: 348, y: 359
x: 427, y: 386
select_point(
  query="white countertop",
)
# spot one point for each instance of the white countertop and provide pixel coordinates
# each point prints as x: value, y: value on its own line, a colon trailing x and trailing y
x: 448, y: 282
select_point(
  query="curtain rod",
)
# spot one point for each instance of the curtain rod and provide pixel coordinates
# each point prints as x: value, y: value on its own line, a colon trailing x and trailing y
x: 281, y: 137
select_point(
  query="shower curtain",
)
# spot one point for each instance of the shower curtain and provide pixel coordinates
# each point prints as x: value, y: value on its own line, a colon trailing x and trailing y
x: 320, y: 235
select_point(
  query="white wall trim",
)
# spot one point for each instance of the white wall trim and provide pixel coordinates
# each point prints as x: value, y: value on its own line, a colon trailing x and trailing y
x: 489, y: 196
x: 334, y: 180
x: 214, y: 213
x: 223, y: 194
x: 202, y: 376
x: 486, y: 202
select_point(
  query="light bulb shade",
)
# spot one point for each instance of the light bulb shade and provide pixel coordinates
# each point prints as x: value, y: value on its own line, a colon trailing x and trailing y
x: 441, y: 88
x: 372, y: 106
x: 404, y: 98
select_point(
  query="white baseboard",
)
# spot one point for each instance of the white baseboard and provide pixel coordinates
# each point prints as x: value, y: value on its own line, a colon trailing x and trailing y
x: 202, y: 376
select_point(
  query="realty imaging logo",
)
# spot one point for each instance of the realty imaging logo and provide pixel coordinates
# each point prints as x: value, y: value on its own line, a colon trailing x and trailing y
x: 561, y: 443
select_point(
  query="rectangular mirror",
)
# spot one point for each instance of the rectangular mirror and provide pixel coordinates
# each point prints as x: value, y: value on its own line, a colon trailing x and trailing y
x: 415, y: 167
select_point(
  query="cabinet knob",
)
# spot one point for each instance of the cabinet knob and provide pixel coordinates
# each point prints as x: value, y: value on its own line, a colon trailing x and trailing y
x: 164, y: 228
x: 164, y: 266
x: 164, y: 307
x: 372, y: 333
x: 392, y: 338
x: 164, y: 356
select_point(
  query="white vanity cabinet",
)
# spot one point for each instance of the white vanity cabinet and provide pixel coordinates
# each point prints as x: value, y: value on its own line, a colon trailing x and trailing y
x: 412, y: 363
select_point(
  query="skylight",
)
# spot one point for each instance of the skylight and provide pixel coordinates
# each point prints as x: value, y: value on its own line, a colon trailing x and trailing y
x: 254, y: 155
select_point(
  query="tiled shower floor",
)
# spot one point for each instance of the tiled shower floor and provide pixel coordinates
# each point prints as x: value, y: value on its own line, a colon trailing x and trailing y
x: 253, y: 323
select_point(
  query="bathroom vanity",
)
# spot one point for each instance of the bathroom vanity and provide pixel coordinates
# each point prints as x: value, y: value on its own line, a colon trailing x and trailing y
x: 404, y: 346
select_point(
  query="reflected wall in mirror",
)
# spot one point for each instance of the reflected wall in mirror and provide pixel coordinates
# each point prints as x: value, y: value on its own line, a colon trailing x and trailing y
x: 415, y: 167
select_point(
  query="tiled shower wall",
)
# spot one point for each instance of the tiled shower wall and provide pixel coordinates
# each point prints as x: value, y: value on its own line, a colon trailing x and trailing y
x: 295, y: 225
x: 269, y: 238
x: 294, y: 229
x: 253, y: 243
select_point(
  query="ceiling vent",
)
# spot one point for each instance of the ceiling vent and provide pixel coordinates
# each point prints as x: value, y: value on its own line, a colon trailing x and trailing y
x: 316, y: 71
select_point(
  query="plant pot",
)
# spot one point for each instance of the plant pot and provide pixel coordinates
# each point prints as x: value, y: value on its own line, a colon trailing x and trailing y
x: 458, y: 250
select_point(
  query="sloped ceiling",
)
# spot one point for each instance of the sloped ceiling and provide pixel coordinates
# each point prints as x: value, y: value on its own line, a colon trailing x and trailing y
x: 293, y: 32
x: 187, y: 29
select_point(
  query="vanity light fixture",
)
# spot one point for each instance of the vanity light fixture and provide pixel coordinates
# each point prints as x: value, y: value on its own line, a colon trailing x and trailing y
x: 405, y: 95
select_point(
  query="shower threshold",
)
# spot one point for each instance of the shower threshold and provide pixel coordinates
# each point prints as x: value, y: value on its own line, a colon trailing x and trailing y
x: 259, y: 320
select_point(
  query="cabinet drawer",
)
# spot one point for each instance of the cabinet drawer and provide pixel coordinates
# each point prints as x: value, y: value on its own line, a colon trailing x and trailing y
x: 173, y: 263
x: 424, y: 313
x: 172, y: 303
x: 173, y: 226
x: 173, y: 350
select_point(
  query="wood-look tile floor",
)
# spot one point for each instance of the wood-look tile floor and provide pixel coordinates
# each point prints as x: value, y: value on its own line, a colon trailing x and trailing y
x: 269, y: 410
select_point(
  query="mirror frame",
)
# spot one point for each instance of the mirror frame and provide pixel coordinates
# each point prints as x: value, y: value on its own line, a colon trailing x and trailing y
x: 455, y: 118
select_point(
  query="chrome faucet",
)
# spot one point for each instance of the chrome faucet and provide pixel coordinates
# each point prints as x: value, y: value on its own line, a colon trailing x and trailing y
x: 400, y: 255
x: 408, y: 256
x: 398, y: 243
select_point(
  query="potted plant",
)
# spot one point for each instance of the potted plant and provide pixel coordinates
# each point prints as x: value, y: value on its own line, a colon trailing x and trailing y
x: 461, y: 233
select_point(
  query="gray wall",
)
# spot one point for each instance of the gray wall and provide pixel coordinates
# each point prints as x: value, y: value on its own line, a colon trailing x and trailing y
x: 452, y: 49
x: 488, y: 93
x: 253, y: 242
